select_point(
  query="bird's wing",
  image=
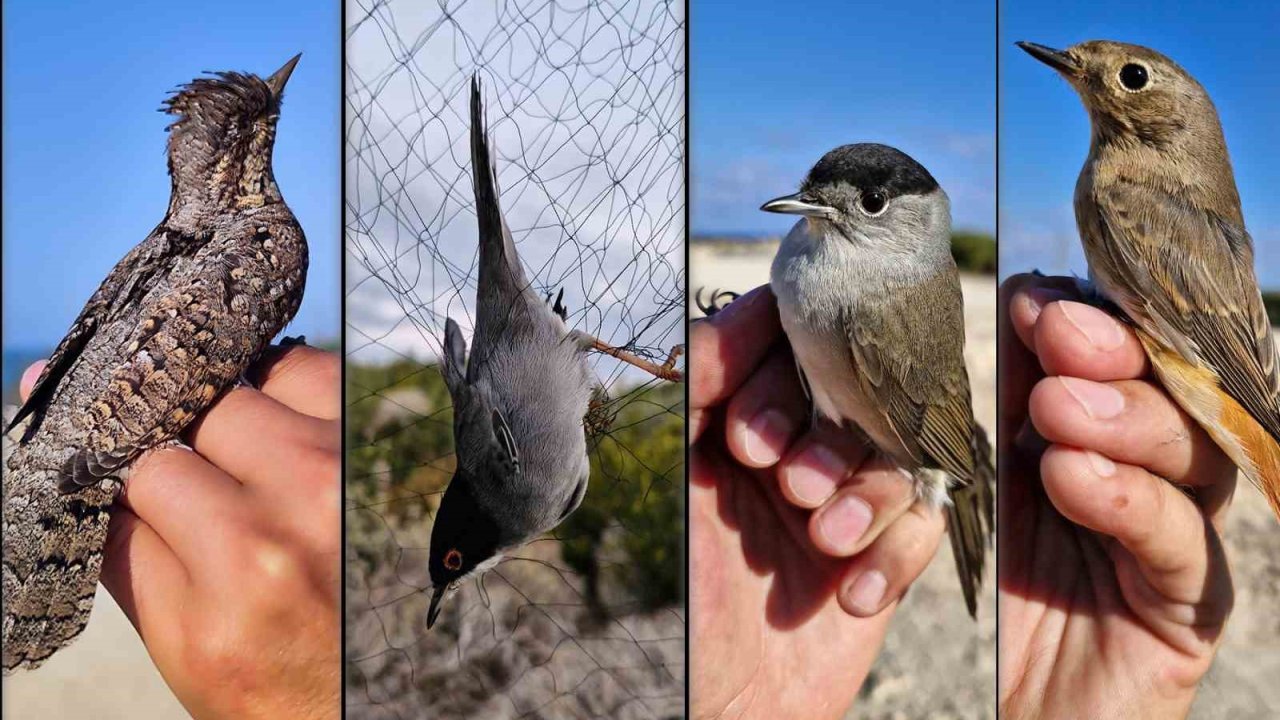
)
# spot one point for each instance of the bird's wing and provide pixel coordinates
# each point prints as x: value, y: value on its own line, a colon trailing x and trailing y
x: 130, y: 280
x: 1188, y: 276
x: 188, y: 346
x: 909, y: 351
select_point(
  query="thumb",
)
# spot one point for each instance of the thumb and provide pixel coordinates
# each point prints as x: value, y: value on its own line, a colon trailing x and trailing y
x: 29, y: 377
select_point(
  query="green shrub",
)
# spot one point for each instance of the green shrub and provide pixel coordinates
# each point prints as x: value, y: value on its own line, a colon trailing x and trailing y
x: 399, y: 430
x: 1271, y: 300
x: 974, y: 252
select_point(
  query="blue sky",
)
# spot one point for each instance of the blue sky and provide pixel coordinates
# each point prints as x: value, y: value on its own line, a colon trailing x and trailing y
x: 84, y: 162
x: 773, y: 86
x: 1044, y: 132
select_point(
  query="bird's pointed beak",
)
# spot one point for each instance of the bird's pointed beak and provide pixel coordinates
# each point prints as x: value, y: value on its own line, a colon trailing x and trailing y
x: 797, y: 204
x: 1056, y: 59
x: 278, y: 79
x: 437, y: 598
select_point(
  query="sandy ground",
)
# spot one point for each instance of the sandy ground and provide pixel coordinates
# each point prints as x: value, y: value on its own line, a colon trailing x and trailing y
x: 106, y: 673
x: 936, y: 664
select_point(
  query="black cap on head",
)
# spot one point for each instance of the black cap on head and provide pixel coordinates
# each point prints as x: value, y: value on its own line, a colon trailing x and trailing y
x: 871, y: 165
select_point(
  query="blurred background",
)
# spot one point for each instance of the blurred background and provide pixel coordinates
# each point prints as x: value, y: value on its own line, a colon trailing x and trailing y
x: 775, y: 87
x: 1044, y: 139
x: 585, y: 106
x: 85, y: 180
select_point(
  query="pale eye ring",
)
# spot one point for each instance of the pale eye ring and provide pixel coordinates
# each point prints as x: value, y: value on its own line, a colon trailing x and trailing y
x: 453, y: 559
x: 873, y: 202
x: 1134, y: 77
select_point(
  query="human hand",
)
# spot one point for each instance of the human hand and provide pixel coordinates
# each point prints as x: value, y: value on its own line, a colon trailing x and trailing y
x: 1113, y: 586
x: 227, y: 560
x: 801, y: 544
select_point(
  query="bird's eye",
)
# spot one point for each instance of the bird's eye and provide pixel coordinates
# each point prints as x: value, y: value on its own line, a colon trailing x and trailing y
x: 453, y: 559
x: 1133, y: 77
x: 873, y: 202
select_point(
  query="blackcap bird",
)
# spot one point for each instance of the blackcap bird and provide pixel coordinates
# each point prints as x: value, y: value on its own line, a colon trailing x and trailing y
x: 870, y: 300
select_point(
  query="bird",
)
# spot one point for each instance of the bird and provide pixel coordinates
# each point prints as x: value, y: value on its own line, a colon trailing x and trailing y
x: 176, y: 322
x: 519, y: 401
x: 1164, y: 235
x: 869, y: 299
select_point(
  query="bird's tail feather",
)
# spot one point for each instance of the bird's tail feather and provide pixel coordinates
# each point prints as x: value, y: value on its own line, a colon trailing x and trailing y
x: 971, y: 521
x: 53, y: 546
x: 500, y: 268
x: 1261, y: 448
x: 1235, y: 430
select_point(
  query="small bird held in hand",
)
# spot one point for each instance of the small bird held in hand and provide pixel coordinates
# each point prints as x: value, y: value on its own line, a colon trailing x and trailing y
x: 176, y: 322
x: 1160, y: 219
x: 870, y: 301
x: 518, y: 404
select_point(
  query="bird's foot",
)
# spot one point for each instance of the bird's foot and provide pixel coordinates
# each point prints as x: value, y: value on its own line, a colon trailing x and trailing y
x: 1091, y: 295
x: 599, y: 418
x: 715, y: 302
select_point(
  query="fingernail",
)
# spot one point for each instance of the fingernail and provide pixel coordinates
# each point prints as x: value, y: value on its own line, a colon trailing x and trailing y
x: 1035, y: 299
x: 867, y: 591
x: 1101, y: 464
x: 843, y: 523
x: 814, y: 475
x: 1100, y: 401
x: 766, y: 435
x: 1100, y: 329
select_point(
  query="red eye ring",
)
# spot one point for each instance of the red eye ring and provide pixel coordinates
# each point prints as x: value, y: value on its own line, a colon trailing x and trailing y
x: 453, y: 560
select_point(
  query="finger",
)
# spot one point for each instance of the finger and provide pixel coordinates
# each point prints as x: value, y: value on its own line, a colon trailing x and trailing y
x: 303, y: 378
x: 1019, y: 371
x: 819, y: 463
x: 856, y: 515
x: 144, y: 576
x: 727, y: 347
x: 881, y: 574
x: 1021, y: 299
x: 1131, y: 422
x: 1028, y: 296
x: 257, y: 440
x: 1082, y: 341
x: 1153, y: 520
x: 767, y: 412
x: 182, y: 496
x: 29, y: 377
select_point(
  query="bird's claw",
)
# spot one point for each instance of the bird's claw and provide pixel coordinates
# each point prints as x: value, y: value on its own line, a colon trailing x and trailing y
x: 713, y: 304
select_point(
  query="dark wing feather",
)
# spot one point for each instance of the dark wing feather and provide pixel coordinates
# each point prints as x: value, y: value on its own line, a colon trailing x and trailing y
x: 185, y: 350
x: 1211, y: 310
x: 131, y: 278
x: 910, y: 357
x: 909, y: 351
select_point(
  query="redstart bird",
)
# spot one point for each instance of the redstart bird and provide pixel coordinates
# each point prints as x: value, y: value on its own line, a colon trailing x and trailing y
x: 1160, y: 219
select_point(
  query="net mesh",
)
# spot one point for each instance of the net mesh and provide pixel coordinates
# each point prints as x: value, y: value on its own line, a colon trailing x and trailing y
x: 585, y: 107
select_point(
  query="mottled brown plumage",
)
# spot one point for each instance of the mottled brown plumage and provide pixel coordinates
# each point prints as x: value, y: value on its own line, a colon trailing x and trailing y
x: 176, y: 322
